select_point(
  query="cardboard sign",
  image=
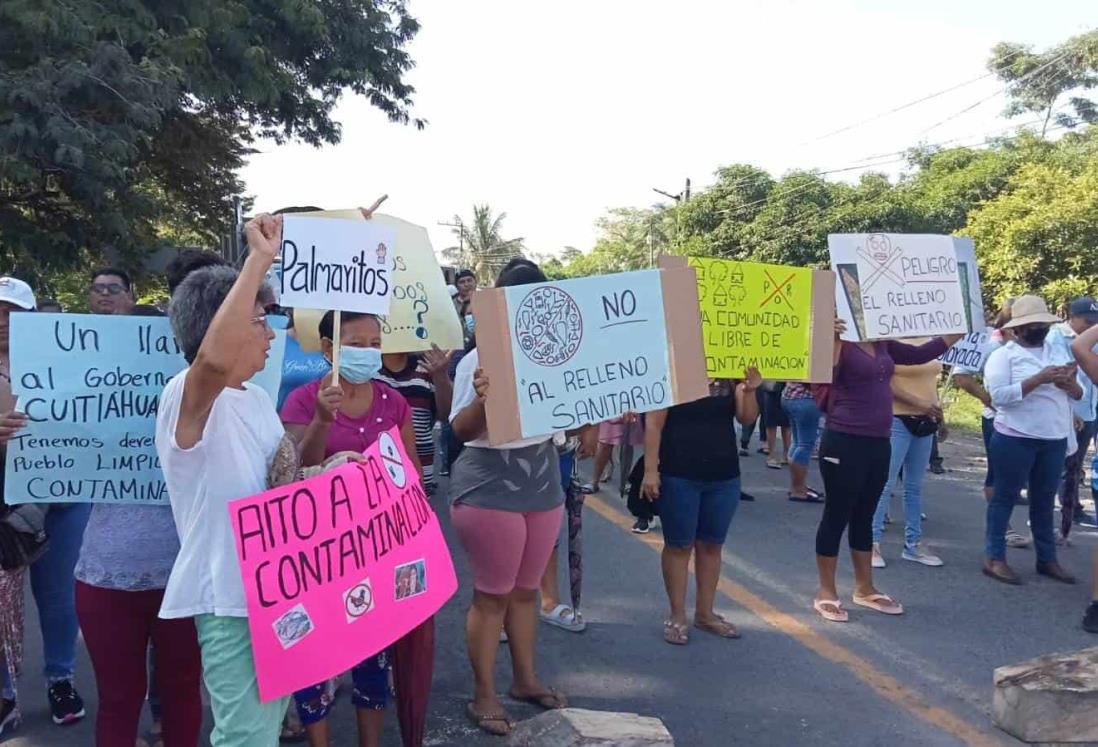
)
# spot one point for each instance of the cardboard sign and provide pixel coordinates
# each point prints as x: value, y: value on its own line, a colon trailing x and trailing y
x: 420, y: 312
x: 969, y: 352
x: 776, y: 318
x: 90, y: 386
x: 328, y: 263
x: 969, y: 274
x: 893, y: 286
x: 564, y: 354
x: 338, y: 567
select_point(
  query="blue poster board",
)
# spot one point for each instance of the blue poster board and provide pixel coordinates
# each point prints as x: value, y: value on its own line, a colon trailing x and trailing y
x: 90, y: 386
x: 589, y: 349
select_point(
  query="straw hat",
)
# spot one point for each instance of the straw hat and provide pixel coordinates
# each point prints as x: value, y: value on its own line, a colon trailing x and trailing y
x: 1029, y: 310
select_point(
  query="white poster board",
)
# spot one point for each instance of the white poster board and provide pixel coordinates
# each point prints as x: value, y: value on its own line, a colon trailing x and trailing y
x: 330, y: 263
x: 894, y: 286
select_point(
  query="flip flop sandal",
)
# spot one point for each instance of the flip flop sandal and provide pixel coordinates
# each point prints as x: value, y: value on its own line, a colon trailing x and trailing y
x: 551, y: 700
x: 831, y: 610
x: 484, y: 721
x: 876, y: 602
x: 770, y: 464
x: 814, y: 493
x: 675, y: 634
x: 564, y: 617
x: 807, y: 498
x: 718, y: 627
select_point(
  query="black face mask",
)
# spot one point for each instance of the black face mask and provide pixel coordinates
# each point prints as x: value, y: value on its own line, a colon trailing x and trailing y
x: 1033, y: 336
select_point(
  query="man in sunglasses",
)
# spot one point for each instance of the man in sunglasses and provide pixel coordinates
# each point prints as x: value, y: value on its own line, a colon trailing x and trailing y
x: 110, y: 292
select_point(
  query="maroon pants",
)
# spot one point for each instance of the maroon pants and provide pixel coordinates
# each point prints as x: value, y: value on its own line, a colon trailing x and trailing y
x: 117, y: 627
x: 413, y: 668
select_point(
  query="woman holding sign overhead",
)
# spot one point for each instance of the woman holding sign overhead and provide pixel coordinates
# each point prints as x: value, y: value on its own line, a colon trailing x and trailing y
x: 507, y: 503
x: 855, y: 453
x: 349, y: 414
x: 692, y: 469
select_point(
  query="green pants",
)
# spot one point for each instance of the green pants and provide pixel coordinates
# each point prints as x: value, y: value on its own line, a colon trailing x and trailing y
x: 228, y: 670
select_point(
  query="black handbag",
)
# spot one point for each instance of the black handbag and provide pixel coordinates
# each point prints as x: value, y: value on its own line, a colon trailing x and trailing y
x: 919, y: 426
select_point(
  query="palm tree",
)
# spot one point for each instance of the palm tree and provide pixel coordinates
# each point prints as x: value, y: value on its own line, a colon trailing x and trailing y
x: 483, y: 248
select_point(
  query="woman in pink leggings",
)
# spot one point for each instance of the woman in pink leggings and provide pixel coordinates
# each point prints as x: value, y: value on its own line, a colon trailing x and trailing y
x: 507, y: 509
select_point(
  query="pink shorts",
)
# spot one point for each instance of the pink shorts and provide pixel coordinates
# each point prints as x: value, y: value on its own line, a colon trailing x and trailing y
x: 507, y: 550
x: 613, y: 432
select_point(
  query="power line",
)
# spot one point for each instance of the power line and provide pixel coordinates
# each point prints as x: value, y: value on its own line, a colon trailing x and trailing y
x: 903, y: 107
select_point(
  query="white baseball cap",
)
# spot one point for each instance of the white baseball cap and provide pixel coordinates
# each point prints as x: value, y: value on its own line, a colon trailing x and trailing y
x: 17, y: 292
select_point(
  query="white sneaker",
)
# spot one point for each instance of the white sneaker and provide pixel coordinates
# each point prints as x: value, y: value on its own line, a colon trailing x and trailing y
x: 918, y: 555
x: 1013, y: 539
x: 878, y: 559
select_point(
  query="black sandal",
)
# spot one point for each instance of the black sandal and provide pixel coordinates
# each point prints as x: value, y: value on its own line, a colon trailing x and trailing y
x: 810, y: 497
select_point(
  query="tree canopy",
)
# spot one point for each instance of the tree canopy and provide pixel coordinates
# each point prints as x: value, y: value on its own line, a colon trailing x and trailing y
x: 123, y: 123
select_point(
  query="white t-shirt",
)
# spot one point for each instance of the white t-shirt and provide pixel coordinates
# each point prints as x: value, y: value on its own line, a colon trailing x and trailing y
x: 465, y: 394
x: 230, y: 462
x: 1045, y: 412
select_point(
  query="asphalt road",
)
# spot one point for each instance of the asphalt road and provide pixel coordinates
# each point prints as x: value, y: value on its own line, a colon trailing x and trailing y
x: 920, y: 679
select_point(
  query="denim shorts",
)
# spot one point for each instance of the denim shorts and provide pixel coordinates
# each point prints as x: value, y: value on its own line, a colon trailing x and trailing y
x: 697, y: 509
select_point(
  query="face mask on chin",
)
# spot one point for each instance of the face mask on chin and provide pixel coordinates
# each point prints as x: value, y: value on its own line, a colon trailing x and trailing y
x: 358, y: 365
x: 1032, y: 336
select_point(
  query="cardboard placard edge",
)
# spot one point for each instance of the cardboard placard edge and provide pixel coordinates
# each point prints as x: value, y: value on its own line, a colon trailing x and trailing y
x: 682, y: 319
x: 501, y: 409
x: 822, y: 336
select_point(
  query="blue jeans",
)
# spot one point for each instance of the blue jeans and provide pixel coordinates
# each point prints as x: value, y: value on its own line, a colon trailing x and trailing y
x: 804, y: 416
x: 1018, y: 462
x: 697, y: 510
x: 987, y: 429
x: 913, y: 454
x: 54, y: 588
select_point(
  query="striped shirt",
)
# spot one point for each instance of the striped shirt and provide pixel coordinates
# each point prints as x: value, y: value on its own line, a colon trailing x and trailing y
x: 415, y: 384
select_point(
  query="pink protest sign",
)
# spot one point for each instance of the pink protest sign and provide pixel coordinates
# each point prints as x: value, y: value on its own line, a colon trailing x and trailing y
x: 338, y: 567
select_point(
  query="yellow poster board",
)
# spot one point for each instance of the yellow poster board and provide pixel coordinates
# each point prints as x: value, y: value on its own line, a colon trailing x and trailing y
x: 421, y: 312
x: 772, y: 317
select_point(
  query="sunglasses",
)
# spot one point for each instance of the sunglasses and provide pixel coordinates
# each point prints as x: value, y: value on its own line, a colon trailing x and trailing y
x: 108, y: 289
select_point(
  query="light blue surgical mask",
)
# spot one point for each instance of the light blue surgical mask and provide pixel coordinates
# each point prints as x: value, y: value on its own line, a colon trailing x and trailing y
x: 358, y: 365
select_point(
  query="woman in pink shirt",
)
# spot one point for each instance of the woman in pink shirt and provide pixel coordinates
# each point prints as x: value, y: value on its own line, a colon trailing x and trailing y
x: 326, y: 419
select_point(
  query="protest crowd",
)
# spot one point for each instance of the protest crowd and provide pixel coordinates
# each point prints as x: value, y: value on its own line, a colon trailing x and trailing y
x: 168, y: 597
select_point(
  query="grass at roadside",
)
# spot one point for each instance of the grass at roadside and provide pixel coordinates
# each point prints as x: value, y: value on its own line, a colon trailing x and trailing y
x: 963, y: 411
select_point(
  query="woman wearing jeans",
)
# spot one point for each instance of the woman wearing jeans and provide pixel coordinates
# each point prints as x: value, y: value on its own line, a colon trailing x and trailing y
x: 1032, y: 383
x: 693, y: 471
x: 854, y: 460
x: 916, y: 414
x: 804, y: 415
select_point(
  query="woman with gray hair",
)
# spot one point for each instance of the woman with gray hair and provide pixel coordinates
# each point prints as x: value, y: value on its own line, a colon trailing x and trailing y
x: 217, y: 435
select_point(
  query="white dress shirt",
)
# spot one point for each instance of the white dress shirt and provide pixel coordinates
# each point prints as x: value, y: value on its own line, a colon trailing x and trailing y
x: 1045, y: 412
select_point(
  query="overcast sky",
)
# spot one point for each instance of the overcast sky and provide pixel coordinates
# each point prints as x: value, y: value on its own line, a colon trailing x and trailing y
x: 554, y: 112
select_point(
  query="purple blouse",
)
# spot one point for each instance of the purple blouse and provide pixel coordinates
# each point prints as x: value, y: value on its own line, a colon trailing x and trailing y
x: 860, y: 401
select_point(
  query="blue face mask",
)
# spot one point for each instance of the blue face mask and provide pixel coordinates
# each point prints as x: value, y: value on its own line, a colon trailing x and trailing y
x: 358, y: 365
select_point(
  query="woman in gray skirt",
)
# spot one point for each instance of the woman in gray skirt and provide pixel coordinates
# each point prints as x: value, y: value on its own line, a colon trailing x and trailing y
x: 507, y: 506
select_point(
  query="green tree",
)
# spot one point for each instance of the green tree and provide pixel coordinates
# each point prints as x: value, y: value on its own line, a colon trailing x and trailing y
x: 1038, y: 81
x: 122, y: 123
x: 483, y: 248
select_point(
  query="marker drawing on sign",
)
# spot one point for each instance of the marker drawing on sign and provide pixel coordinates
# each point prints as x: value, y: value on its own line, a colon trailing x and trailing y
x: 549, y: 326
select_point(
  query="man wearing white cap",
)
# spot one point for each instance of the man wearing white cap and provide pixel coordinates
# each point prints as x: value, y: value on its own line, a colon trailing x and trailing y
x: 15, y: 296
x: 52, y: 580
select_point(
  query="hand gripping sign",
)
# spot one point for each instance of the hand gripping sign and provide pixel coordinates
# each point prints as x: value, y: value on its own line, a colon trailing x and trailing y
x: 338, y: 567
